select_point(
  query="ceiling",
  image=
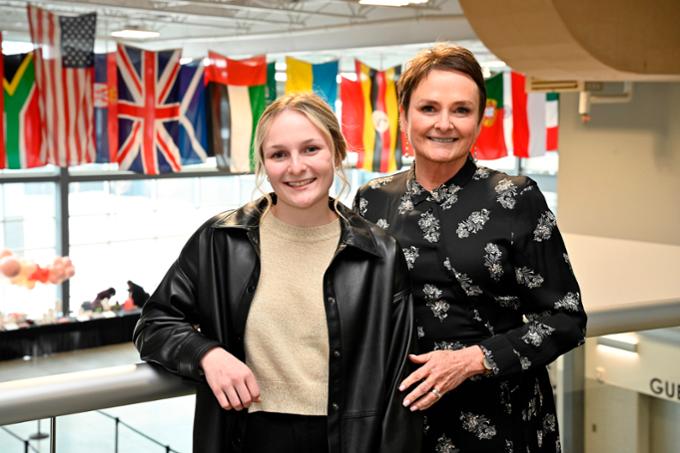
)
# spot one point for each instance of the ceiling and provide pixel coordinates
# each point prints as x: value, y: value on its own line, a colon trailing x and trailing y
x: 315, y: 30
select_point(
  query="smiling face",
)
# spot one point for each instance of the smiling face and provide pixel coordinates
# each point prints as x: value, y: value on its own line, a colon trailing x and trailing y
x: 299, y: 164
x: 442, y: 119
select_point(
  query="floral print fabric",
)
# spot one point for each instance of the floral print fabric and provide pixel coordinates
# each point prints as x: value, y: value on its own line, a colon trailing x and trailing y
x: 488, y: 267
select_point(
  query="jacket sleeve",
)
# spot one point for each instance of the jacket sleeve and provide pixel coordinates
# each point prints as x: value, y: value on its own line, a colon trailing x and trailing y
x: 546, y: 288
x: 166, y: 333
x: 401, y: 428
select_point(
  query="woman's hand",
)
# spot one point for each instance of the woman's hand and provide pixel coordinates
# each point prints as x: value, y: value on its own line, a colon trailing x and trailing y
x: 231, y: 381
x: 441, y: 371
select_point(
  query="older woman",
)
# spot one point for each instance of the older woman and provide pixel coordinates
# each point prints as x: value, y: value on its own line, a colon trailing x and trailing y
x: 495, y: 297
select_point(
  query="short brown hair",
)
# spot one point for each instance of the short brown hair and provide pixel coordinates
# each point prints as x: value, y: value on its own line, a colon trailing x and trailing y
x: 447, y: 57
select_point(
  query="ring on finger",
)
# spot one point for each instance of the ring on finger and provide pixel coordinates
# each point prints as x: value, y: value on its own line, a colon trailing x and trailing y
x: 436, y: 392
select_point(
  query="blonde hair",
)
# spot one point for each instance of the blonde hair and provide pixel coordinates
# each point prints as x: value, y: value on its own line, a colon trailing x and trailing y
x: 319, y: 113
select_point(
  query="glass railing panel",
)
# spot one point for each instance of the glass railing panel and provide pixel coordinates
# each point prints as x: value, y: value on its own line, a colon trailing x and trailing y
x: 144, y: 427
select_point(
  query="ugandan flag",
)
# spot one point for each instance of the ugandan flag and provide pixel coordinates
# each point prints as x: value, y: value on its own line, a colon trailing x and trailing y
x: 236, y: 100
x: 22, y: 132
x: 370, y: 117
x: 320, y: 78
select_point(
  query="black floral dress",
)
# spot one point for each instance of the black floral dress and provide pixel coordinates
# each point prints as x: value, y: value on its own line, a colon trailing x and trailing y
x: 489, y: 268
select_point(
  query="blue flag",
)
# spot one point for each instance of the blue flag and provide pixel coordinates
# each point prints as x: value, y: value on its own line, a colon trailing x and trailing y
x: 193, y: 123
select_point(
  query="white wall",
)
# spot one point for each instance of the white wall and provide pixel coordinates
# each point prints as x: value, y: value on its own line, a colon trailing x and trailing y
x: 620, y: 173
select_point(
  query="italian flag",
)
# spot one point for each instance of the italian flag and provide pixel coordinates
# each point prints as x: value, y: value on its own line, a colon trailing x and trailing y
x: 516, y: 122
x: 236, y: 100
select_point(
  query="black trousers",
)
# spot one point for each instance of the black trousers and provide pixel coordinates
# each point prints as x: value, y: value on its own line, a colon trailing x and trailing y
x: 268, y: 432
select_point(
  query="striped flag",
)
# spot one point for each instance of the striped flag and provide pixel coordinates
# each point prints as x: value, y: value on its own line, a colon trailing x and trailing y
x: 516, y: 122
x: 271, y: 82
x: 491, y: 141
x: 23, y: 137
x: 64, y: 64
x: 321, y: 78
x: 148, y: 110
x: 106, y: 107
x: 193, y: 125
x: 236, y: 100
x: 370, y: 118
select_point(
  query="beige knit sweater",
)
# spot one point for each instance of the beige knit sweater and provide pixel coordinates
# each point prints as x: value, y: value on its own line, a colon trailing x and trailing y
x: 286, y: 338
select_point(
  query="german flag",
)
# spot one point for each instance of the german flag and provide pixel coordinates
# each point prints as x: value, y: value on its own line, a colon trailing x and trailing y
x: 370, y: 117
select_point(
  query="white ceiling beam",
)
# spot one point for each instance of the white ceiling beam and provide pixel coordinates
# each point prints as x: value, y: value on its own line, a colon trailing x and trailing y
x: 247, y: 6
x: 377, y: 33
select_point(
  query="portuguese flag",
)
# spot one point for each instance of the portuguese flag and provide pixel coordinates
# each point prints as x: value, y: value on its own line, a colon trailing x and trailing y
x: 491, y: 141
x: 22, y: 133
x: 516, y: 122
x: 236, y: 100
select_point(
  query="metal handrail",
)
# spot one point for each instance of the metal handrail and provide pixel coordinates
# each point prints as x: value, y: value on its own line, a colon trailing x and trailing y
x: 62, y: 394
x: 634, y: 317
x: 82, y: 391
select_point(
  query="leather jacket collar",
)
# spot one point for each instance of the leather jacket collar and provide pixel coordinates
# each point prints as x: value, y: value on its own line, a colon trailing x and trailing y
x: 353, y: 232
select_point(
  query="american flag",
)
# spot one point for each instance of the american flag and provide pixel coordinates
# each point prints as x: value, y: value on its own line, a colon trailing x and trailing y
x: 64, y: 68
x: 148, y: 110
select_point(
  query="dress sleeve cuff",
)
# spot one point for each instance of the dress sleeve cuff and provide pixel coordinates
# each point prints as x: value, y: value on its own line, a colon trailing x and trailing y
x: 498, y: 352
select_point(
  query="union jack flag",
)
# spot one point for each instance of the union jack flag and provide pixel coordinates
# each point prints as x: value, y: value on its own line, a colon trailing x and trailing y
x: 148, y: 110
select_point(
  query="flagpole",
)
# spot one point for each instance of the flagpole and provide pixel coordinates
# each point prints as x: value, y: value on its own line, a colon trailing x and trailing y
x: 518, y: 168
x: 62, y: 239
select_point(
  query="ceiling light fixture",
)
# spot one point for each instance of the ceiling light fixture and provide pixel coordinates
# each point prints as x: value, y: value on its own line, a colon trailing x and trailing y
x: 135, y: 32
x: 392, y: 2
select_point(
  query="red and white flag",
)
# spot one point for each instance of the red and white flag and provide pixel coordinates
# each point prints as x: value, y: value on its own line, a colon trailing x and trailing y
x: 64, y: 66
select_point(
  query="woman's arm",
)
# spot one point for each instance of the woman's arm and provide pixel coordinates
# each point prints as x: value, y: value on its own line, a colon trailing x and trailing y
x: 166, y: 333
x: 546, y: 289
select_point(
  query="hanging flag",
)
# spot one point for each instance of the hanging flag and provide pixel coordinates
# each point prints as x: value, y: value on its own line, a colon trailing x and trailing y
x: 321, y: 78
x: 370, y: 118
x: 148, y: 110
x: 271, y: 82
x: 552, y: 120
x: 491, y: 141
x: 23, y: 137
x: 529, y: 125
x: 64, y: 65
x: 352, y: 114
x: 106, y: 107
x: 193, y: 125
x: 236, y: 100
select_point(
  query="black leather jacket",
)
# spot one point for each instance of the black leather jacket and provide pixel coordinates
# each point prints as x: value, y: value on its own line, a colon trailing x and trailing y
x: 203, y: 302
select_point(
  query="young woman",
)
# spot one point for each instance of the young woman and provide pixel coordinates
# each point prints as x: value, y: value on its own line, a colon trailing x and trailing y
x: 292, y: 313
x: 485, y: 254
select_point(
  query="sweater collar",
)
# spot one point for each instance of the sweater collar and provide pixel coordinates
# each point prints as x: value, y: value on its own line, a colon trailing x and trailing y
x: 354, y: 231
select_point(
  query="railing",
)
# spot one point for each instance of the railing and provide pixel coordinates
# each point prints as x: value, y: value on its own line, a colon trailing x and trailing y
x: 62, y: 394
x: 70, y: 393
